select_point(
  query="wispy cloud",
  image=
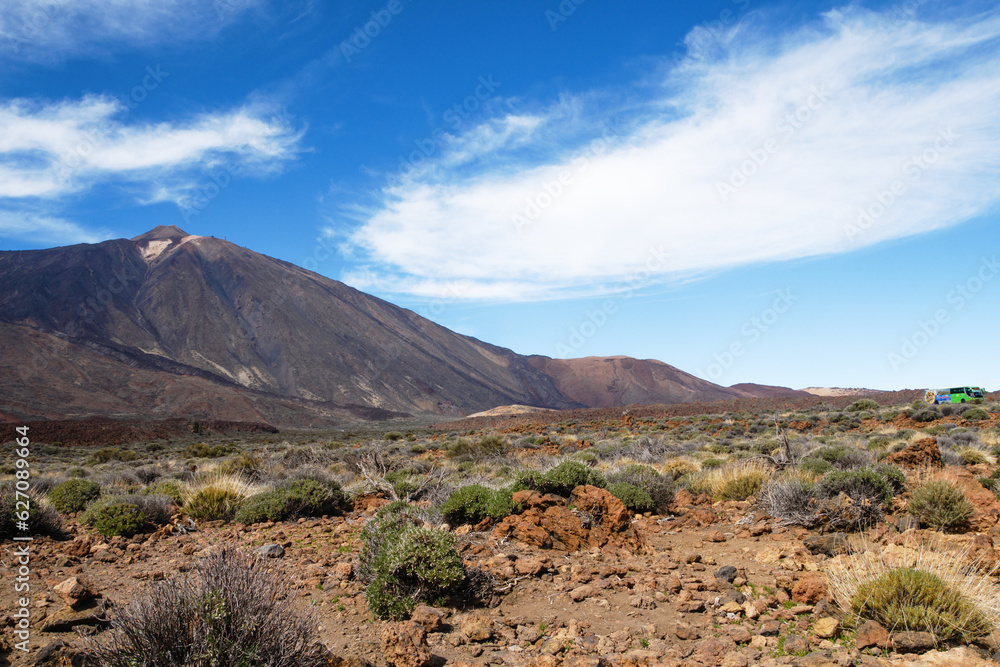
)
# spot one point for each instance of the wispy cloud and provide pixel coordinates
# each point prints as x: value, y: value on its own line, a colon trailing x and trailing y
x: 50, y: 150
x: 755, y: 148
x: 51, y: 30
x: 40, y: 228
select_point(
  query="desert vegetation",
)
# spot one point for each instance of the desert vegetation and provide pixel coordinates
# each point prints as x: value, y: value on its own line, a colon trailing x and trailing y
x: 426, y: 511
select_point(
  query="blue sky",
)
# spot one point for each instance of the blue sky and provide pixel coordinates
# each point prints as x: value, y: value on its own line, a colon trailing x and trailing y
x: 794, y: 193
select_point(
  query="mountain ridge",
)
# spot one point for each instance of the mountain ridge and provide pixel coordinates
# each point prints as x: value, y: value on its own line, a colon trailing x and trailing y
x: 176, y: 323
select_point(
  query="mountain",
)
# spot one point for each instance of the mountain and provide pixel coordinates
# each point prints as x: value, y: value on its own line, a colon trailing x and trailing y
x: 170, y: 324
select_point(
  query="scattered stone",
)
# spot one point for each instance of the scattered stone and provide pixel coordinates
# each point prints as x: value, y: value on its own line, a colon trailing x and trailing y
x: 712, y: 651
x: 529, y: 566
x: 831, y: 545
x: 796, y: 645
x: 726, y: 573
x: 716, y: 536
x: 871, y: 633
x: 405, y: 644
x: 74, y: 592
x: 68, y: 618
x: 271, y: 551
x: 691, y: 606
x: 913, y: 642
x: 770, y: 628
x: 343, y: 571
x: 642, y: 601
x: 826, y: 628
x: 581, y: 593
x: 810, y: 589
x: 685, y: 631
x: 476, y: 628
x: 429, y: 618
x: 528, y: 633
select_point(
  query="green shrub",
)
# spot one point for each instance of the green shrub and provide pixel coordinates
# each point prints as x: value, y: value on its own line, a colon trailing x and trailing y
x: 110, y: 454
x: 41, y: 518
x: 471, y: 504
x: 660, y: 488
x: 860, y: 485
x: 393, y: 436
x: 710, y: 463
x: 166, y: 487
x: 213, y: 503
x: 920, y: 601
x: 815, y: 465
x: 634, y: 498
x: 488, y: 446
x: 73, y: 495
x: 561, y: 480
x: 404, y: 563
x: 975, y: 414
x: 940, y: 505
x: 200, y: 450
x: 292, y: 499
x: 925, y: 415
x: 115, y: 515
x: 863, y: 404
x: 247, y: 465
x: 232, y: 611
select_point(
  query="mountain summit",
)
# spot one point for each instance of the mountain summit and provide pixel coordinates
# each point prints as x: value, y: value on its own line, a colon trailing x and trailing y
x: 174, y: 324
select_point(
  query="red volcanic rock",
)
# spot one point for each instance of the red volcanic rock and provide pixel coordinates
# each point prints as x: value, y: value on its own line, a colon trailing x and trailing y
x: 923, y: 452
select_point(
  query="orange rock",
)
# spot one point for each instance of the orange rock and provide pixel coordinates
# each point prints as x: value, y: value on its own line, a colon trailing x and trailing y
x: 923, y: 452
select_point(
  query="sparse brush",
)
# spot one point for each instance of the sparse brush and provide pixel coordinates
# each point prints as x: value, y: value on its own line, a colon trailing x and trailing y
x: 736, y: 481
x: 635, y: 499
x: 971, y: 456
x: 217, y: 496
x: 678, y: 467
x: 231, y: 611
x: 659, y: 487
x: 246, y: 465
x: 73, y: 495
x: 471, y: 504
x: 940, y: 505
x: 925, y: 590
x: 115, y: 515
x: 42, y: 518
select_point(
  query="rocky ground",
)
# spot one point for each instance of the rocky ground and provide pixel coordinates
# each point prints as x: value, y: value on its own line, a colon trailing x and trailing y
x: 708, y: 584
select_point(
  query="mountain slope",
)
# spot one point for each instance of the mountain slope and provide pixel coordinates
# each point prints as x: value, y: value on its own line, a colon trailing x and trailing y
x: 172, y: 324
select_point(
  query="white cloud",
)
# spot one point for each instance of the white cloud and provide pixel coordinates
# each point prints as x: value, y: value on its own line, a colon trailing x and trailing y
x: 49, y: 30
x: 47, y: 151
x: 837, y: 114
x: 40, y: 228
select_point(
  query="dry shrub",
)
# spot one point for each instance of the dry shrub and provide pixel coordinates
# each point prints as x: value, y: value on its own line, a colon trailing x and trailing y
x: 926, y: 589
x: 229, y: 612
x: 735, y: 481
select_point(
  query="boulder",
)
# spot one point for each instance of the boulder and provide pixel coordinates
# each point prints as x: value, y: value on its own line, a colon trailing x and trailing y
x: 871, y: 633
x: 74, y: 592
x: 810, y: 589
x: 405, y: 644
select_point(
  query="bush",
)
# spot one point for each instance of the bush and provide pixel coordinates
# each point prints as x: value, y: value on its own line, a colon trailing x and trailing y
x: 110, y: 454
x: 200, y: 450
x: 115, y: 515
x: 940, y: 505
x: 42, y: 519
x: 925, y: 415
x: 167, y: 487
x: 816, y: 466
x: 634, y: 498
x: 862, y: 485
x: 975, y: 414
x: 736, y: 481
x: 843, y: 457
x: 230, y: 612
x: 213, y: 503
x: 920, y: 601
x: 393, y: 436
x: 562, y: 479
x: 660, y: 488
x: 249, y: 466
x: 488, y: 446
x: 73, y: 495
x: 404, y: 563
x: 863, y: 404
x: 471, y: 504
x: 292, y: 499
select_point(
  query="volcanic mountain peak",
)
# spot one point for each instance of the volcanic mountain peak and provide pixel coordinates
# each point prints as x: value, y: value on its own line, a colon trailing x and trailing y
x: 155, y: 242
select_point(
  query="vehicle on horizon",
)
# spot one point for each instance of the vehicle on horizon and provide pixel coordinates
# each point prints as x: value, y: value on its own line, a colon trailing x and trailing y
x: 953, y: 395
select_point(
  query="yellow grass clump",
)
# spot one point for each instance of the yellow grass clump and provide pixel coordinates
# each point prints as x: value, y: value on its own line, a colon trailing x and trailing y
x: 735, y: 481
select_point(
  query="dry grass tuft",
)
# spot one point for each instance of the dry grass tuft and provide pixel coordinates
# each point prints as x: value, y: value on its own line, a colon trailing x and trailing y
x: 929, y: 588
x: 735, y: 481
